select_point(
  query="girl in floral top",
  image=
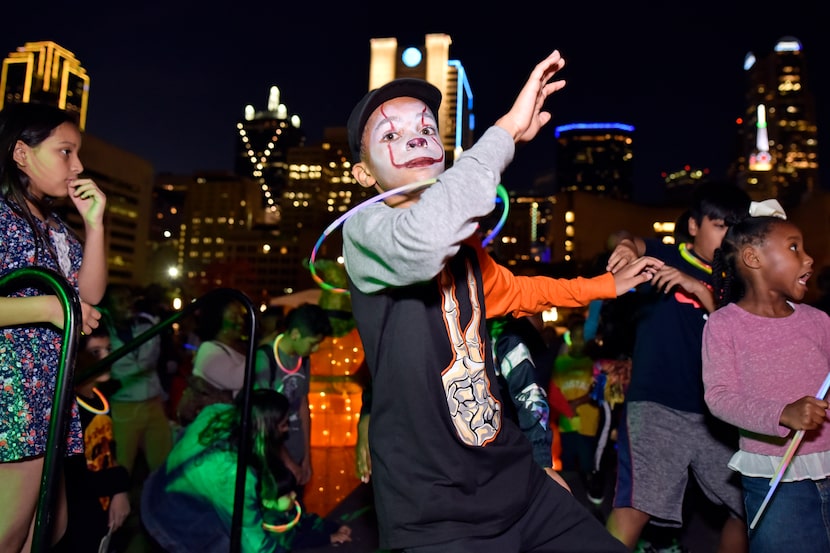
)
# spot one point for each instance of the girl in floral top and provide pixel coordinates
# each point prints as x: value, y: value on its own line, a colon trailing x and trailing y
x: 39, y: 164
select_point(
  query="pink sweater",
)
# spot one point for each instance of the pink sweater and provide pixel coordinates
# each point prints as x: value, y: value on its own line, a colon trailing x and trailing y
x: 754, y: 366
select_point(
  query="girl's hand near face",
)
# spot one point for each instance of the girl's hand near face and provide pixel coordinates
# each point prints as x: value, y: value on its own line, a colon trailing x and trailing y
x: 89, y: 200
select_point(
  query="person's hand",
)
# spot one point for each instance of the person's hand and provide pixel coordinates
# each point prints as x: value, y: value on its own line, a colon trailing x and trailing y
x: 362, y: 458
x: 119, y: 510
x: 91, y: 318
x: 668, y: 277
x: 624, y: 253
x: 635, y: 273
x: 343, y: 534
x: 556, y: 477
x: 89, y: 200
x: 526, y: 116
x: 807, y: 413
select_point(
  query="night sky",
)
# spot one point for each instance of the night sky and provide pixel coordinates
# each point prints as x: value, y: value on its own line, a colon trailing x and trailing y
x: 169, y: 81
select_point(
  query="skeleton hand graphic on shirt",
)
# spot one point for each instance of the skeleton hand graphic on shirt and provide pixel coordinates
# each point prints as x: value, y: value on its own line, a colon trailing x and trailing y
x: 474, y: 411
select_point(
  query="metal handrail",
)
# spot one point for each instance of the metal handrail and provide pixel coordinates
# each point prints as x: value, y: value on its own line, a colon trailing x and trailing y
x: 244, y: 440
x: 58, y: 423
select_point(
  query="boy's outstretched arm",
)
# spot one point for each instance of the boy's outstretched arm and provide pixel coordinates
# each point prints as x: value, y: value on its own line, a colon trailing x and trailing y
x: 526, y: 116
x: 637, y: 272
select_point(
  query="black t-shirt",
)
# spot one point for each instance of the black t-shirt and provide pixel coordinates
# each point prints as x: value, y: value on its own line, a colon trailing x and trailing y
x: 666, y: 365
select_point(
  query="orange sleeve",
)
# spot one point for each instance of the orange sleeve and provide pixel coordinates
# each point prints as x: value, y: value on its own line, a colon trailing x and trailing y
x: 506, y: 293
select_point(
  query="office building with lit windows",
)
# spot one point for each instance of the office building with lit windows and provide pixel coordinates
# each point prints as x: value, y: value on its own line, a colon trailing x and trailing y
x: 45, y: 73
x: 595, y: 158
x: 779, y: 136
x: 523, y: 234
x: 320, y: 190
x: 220, y: 244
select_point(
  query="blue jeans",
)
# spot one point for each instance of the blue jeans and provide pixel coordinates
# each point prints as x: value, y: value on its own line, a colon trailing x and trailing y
x: 796, y: 519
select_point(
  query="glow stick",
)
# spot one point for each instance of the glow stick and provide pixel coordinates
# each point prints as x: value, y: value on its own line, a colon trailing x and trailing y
x: 785, y: 461
x: 501, y: 192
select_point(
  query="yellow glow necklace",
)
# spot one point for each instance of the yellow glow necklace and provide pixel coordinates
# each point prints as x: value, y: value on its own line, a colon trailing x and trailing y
x: 693, y: 260
x: 90, y: 408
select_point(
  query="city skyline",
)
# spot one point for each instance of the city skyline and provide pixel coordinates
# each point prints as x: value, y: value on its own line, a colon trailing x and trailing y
x: 172, y: 84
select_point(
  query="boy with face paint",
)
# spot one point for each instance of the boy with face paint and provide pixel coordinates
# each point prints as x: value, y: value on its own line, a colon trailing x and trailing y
x: 450, y: 472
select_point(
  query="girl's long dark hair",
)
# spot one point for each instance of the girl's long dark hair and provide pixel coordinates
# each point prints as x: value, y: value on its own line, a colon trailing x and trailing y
x: 728, y: 283
x: 268, y: 409
x: 30, y: 124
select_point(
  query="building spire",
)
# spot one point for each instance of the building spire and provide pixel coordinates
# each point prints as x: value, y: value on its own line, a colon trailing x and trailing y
x: 273, y: 99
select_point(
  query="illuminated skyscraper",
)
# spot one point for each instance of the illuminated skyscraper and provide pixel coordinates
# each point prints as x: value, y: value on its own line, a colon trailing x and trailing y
x: 595, y: 158
x: 780, y: 104
x: 760, y: 159
x: 45, y: 73
x: 264, y: 138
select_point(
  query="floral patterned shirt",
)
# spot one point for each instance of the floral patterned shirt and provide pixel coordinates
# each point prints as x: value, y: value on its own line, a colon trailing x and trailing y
x: 29, y: 355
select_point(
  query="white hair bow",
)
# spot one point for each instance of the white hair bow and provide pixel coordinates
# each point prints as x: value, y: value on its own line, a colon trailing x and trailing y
x: 767, y: 208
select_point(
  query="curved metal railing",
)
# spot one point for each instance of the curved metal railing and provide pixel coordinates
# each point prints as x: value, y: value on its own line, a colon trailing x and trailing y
x: 56, y: 437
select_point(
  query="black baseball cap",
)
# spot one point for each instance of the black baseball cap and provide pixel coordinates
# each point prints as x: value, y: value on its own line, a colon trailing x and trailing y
x: 413, y: 88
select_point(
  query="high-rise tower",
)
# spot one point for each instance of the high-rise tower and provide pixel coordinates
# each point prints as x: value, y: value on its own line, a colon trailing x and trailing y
x: 780, y: 105
x: 263, y: 142
x: 596, y: 158
x: 45, y: 73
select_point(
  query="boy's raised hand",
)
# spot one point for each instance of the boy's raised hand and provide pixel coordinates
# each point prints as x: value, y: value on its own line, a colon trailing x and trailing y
x: 526, y: 116
x: 635, y: 273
